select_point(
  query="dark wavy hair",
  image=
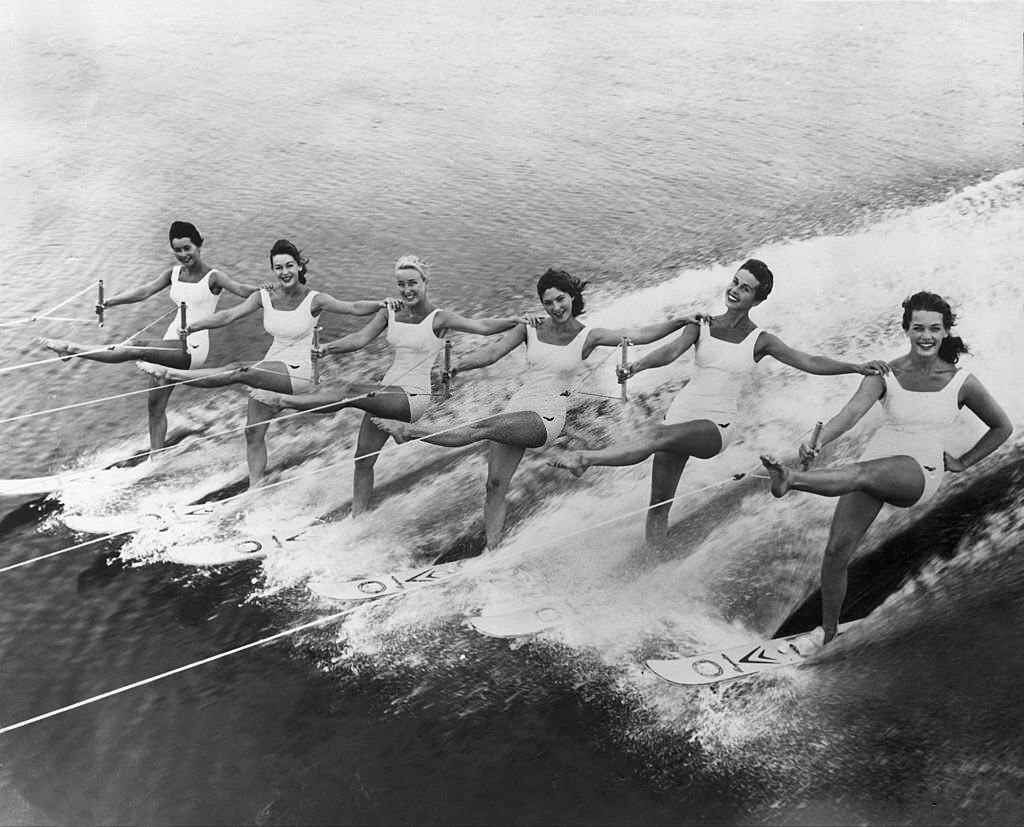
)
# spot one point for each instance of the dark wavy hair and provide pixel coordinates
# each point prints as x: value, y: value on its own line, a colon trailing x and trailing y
x: 184, y: 229
x: 283, y: 247
x: 952, y: 346
x: 765, y: 280
x: 561, y: 280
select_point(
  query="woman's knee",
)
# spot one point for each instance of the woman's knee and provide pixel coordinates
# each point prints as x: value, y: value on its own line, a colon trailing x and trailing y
x: 496, y: 484
x: 256, y: 436
x: 157, y: 402
x: 840, y: 548
x: 365, y: 464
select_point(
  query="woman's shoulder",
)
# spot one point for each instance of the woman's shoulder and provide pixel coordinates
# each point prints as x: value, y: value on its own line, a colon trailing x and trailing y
x: 578, y: 333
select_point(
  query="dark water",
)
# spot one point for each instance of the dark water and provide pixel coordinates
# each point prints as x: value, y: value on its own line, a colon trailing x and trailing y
x: 863, y: 150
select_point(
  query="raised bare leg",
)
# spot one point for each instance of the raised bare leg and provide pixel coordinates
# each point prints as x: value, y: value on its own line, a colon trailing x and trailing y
x: 894, y: 480
x: 167, y: 355
x: 202, y: 378
x: 699, y: 438
x: 319, y: 400
x: 522, y: 428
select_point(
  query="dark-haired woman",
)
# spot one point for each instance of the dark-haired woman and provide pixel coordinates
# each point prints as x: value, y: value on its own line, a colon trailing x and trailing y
x: 700, y: 421
x: 291, y: 311
x: 190, y: 281
x: 903, y: 463
x: 416, y: 333
x: 556, y: 349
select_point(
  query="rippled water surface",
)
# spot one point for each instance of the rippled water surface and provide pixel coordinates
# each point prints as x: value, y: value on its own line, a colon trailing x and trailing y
x: 864, y: 150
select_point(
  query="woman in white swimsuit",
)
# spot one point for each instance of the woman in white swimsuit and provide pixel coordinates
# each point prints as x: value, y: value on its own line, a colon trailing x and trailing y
x: 556, y: 349
x: 416, y: 331
x: 190, y: 281
x: 291, y: 311
x: 904, y: 461
x: 701, y: 421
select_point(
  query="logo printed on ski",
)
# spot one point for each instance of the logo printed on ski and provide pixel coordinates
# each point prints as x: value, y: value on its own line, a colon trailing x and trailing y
x: 758, y: 655
x: 735, y: 662
x: 387, y: 584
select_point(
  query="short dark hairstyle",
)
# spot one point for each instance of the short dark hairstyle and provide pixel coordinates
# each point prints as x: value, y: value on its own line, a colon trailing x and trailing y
x: 283, y: 247
x: 765, y: 280
x: 952, y: 346
x: 562, y: 280
x: 184, y: 229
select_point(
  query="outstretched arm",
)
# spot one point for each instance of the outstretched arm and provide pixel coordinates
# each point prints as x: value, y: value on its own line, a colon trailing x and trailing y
x: 445, y: 319
x: 225, y: 282
x: 493, y: 352
x: 769, y: 344
x: 361, y: 338
x: 870, y: 391
x: 322, y: 301
x: 975, y: 396
x: 643, y: 335
x: 665, y: 354
x: 224, y: 317
x: 142, y: 292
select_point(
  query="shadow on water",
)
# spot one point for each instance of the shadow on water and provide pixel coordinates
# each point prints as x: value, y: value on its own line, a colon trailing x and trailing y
x: 27, y: 513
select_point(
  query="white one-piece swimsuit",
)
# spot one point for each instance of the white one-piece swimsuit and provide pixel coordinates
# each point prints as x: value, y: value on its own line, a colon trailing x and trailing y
x: 915, y: 425
x: 552, y: 369
x: 200, y: 302
x: 293, y: 338
x: 720, y: 369
x: 416, y: 348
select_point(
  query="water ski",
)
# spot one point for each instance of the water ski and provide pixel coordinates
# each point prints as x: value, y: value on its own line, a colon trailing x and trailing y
x: 522, y: 623
x: 222, y: 552
x: 384, y: 585
x: 120, y: 523
x: 125, y: 471
x: 54, y: 483
x: 733, y: 663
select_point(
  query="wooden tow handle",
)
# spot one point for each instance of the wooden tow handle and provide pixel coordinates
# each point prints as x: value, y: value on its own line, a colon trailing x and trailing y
x: 315, y: 355
x: 182, y: 324
x: 624, y: 344
x: 446, y: 376
x: 815, y: 434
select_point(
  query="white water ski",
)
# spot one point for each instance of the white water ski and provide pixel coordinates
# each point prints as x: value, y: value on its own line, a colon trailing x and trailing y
x: 180, y: 506
x: 383, y: 585
x: 119, y: 523
x: 54, y: 483
x: 111, y: 475
x: 222, y: 552
x: 735, y: 662
x: 522, y: 623
x: 241, y: 547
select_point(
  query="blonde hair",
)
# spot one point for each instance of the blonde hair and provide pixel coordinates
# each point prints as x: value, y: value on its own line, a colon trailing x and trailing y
x: 411, y: 262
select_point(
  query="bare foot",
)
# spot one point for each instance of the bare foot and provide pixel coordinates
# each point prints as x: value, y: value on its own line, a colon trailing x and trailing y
x: 156, y: 371
x: 268, y: 398
x: 778, y: 473
x: 807, y: 644
x: 571, y: 461
x: 61, y: 347
x: 398, y: 430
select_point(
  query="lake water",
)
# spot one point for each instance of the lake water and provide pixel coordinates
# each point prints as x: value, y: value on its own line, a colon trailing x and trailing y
x: 864, y: 150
